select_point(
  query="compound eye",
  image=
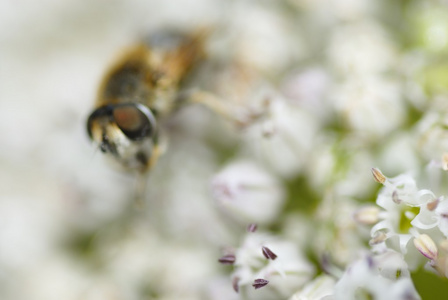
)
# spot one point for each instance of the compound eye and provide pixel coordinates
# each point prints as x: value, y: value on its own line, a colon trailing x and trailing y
x: 135, y: 120
x: 96, y: 118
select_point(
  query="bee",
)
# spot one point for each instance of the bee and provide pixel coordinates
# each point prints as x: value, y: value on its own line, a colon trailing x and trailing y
x: 138, y: 93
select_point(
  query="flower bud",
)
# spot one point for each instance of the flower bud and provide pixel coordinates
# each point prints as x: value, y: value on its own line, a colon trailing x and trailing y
x: 378, y: 238
x: 378, y: 176
x: 367, y: 215
x: 426, y: 246
x: 445, y: 161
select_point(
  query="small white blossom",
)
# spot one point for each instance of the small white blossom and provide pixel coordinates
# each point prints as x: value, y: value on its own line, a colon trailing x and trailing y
x: 284, y: 139
x: 285, y: 274
x: 432, y: 136
x: 367, y: 215
x: 408, y: 212
x: 371, y: 106
x: 441, y: 213
x: 401, y: 201
x: 262, y: 41
x: 247, y: 192
x: 361, y: 48
x: 321, y: 288
x: 308, y: 89
x: 366, y: 279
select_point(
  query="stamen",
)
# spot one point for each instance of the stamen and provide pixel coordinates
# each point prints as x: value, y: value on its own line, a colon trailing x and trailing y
x: 268, y: 253
x: 259, y: 283
x: 431, y: 206
x: 235, y: 284
x: 378, y: 176
x: 395, y: 197
x: 252, y: 227
x: 227, y: 259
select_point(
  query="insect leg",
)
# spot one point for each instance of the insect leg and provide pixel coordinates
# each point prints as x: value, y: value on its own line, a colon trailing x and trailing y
x: 239, y: 115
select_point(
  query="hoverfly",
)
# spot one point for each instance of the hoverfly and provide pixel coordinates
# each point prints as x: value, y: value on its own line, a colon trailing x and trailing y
x: 138, y: 92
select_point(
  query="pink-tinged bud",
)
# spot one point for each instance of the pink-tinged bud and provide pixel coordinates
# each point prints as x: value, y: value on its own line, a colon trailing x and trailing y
x: 227, y: 259
x: 426, y: 246
x: 378, y: 176
x: 367, y: 215
x: 252, y: 227
x: 259, y: 283
x: 268, y: 253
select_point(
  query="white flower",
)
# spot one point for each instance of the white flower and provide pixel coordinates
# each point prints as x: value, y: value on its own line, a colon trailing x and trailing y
x: 372, y: 105
x: 221, y: 289
x: 432, y: 138
x: 442, y: 216
x: 410, y: 214
x: 285, y: 272
x: 284, y: 139
x: 401, y: 201
x: 320, y: 288
x: 361, y: 48
x: 345, y: 10
x: 374, y: 277
x: 308, y: 89
x: 262, y: 39
x: 248, y: 193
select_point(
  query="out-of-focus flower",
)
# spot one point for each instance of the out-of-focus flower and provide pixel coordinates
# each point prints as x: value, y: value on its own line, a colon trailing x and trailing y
x: 337, y: 237
x: 344, y: 10
x: 262, y: 41
x: 321, y: 288
x: 275, y: 276
x: 221, y: 289
x: 367, y: 215
x: 366, y: 278
x: 284, y: 139
x: 370, y: 105
x: 432, y: 133
x: 430, y: 24
x: 308, y: 89
x: 361, y: 49
x: 248, y: 193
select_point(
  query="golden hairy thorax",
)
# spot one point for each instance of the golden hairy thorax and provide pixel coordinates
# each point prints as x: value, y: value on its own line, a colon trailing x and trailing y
x: 139, y: 89
x: 150, y: 73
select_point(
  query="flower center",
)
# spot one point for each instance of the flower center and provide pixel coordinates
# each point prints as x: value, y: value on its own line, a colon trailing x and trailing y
x: 407, y: 215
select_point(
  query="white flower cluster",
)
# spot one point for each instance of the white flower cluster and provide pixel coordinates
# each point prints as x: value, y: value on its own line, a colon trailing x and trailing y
x: 319, y: 91
x: 380, y: 277
x: 406, y: 214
